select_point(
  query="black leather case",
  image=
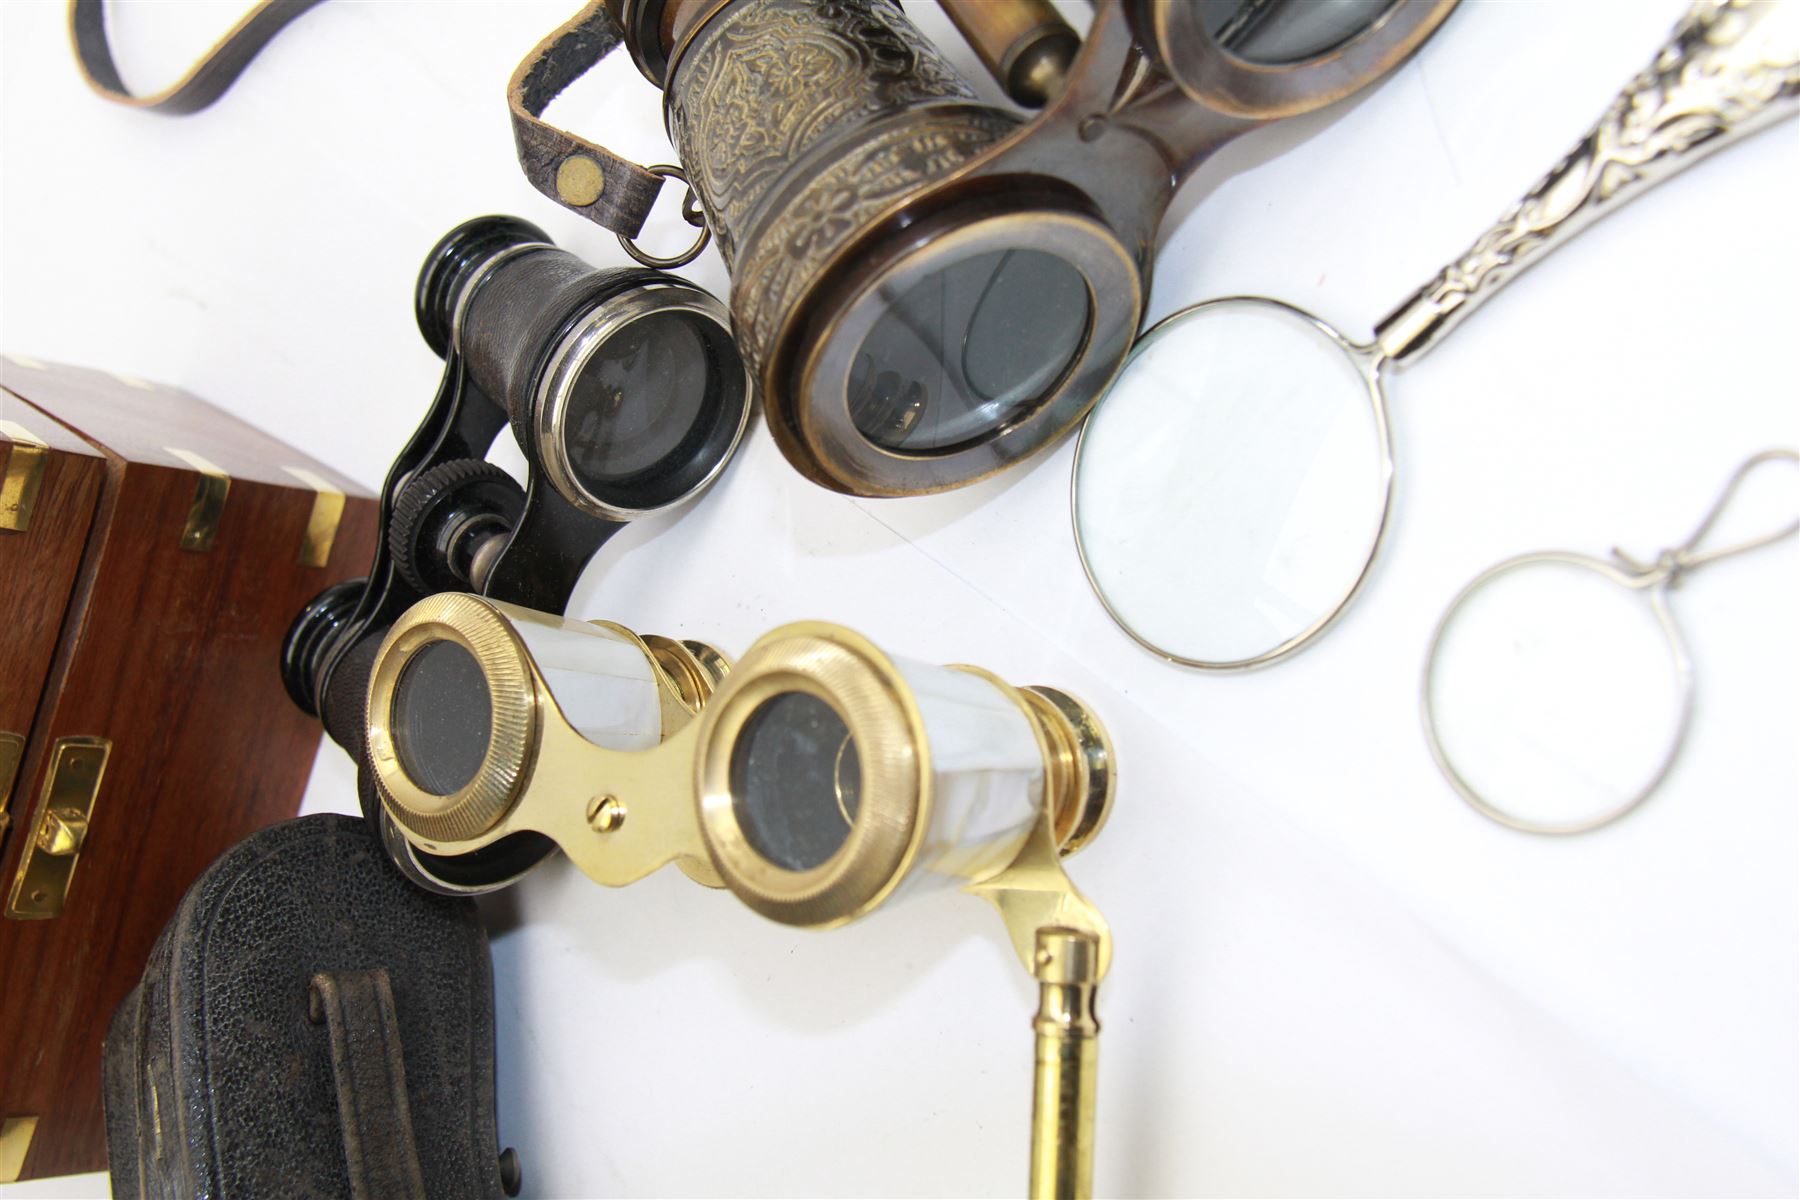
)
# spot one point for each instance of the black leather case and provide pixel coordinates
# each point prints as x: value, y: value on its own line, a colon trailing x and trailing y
x: 309, y: 1024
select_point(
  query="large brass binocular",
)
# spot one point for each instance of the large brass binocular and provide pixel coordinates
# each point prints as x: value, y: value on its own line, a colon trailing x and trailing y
x: 928, y: 287
x: 816, y: 780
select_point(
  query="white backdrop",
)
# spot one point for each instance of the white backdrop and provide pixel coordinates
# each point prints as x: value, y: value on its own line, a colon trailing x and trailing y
x: 1331, y: 976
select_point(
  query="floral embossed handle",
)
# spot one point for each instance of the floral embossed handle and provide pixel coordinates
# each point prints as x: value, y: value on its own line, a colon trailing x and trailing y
x: 1730, y: 68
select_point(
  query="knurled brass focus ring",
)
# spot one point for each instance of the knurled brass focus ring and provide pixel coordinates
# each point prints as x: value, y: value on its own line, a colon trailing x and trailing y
x: 867, y: 691
x: 484, y: 801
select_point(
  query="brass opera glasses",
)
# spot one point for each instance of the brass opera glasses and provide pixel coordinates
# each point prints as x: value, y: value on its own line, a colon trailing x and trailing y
x: 816, y: 780
x: 928, y: 287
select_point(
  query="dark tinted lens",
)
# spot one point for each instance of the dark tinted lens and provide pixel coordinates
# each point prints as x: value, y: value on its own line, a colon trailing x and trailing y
x: 441, y: 718
x: 1273, y: 32
x: 795, y: 781
x: 637, y: 399
x: 968, y: 350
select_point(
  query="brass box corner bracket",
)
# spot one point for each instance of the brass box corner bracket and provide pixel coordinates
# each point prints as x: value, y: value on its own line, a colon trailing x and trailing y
x: 15, y: 1144
x: 209, y: 500
x: 47, y: 863
x: 322, y: 525
x: 24, y: 476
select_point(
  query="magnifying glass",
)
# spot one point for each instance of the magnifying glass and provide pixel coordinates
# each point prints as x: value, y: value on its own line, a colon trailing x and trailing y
x: 1232, y: 490
x: 1558, y: 688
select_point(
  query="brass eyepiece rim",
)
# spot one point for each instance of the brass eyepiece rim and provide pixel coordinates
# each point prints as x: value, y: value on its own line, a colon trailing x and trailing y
x: 1084, y: 755
x: 869, y: 694
x: 482, y: 803
x: 816, y: 412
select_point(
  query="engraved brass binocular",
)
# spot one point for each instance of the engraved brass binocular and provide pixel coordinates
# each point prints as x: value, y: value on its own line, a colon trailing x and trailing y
x: 816, y: 780
x: 930, y: 288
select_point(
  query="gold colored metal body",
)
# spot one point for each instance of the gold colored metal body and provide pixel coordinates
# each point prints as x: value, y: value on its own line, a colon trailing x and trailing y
x: 1067, y: 966
x: 47, y: 866
x: 621, y: 814
x: 210, y: 491
x: 25, y: 464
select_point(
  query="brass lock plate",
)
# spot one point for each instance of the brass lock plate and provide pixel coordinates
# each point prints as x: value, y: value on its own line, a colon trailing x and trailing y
x: 47, y: 861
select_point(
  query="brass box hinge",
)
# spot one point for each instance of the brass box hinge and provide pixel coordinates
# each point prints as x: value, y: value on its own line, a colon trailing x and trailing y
x: 24, y: 476
x: 47, y: 862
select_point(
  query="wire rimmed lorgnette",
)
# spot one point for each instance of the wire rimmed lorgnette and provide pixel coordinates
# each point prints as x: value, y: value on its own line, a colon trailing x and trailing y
x: 1653, y: 579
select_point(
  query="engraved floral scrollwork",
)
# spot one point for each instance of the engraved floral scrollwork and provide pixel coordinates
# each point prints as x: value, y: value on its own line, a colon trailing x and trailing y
x: 801, y: 122
x: 769, y: 83
x: 1721, y: 70
x: 846, y: 196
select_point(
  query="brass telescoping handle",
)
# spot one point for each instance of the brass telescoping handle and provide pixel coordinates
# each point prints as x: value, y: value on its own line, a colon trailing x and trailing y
x: 1067, y: 967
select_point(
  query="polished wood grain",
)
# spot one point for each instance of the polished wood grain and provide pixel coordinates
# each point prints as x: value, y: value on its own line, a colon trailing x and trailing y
x: 173, y: 656
x: 38, y: 565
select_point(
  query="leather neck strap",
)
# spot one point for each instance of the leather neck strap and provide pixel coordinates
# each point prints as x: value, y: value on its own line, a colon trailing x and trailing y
x: 204, y: 82
x: 613, y: 192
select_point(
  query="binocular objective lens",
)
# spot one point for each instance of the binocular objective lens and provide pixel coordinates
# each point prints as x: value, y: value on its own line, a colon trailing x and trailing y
x: 442, y: 718
x: 795, y: 781
x: 968, y: 350
x: 636, y: 398
x: 654, y: 409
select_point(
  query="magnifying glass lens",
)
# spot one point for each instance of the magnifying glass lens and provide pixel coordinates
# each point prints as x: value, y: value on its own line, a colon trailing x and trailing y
x: 1554, y: 695
x: 1229, y: 489
x: 967, y: 350
x: 795, y: 781
x: 442, y: 718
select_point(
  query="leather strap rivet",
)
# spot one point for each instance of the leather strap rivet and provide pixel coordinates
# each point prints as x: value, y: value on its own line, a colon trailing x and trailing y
x: 579, y: 181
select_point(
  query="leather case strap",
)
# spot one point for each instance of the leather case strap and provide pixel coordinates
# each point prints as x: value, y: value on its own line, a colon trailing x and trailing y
x: 610, y: 191
x: 357, y: 1009
x: 204, y: 82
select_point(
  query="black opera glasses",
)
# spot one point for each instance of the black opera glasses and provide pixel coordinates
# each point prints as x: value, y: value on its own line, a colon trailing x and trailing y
x: 816, y: 780
x: 930, y: 288
x: 625, y: 391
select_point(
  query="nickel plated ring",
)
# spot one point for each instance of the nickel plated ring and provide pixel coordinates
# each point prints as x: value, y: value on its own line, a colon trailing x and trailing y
x: 690, y: 212
x: 1656, y: 578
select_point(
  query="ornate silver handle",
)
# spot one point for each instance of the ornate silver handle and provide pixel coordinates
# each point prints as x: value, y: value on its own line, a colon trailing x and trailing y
x: 1730, y: 68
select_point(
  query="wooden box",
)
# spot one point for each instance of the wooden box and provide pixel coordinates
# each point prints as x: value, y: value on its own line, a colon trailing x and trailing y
x: 153, y: 551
